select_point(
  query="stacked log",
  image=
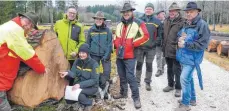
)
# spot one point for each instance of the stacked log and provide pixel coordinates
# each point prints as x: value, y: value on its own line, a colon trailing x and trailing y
x: 32, y: 89
x: 213, y: 33
x: 212, y: 47
x: 223, y: 48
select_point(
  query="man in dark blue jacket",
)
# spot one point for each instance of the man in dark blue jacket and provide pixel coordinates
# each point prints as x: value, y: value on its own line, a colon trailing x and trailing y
x: 195, y: 48
x: 100, y: 41
x: 148, y: 49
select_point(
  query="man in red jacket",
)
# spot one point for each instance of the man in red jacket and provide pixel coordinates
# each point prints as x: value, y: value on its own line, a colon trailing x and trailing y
x: 13, y: 49
x: 130, y: 33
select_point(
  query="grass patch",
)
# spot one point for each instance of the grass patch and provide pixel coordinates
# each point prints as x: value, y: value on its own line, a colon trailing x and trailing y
x: 221, y: 61
x: 224, y: 28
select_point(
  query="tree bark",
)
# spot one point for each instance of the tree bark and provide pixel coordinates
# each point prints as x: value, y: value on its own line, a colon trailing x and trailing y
x: 223, y: 48
x: 212, y: 47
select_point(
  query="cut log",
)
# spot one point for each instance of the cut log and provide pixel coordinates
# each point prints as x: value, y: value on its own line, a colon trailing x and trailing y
x: 212, y: 47
x: 32, y: 89
x: 222, y: 48
x: 222, y: 34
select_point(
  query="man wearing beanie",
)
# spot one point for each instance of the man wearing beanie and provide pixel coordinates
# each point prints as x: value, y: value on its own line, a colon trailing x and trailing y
x: 86, y: 70
x: 147, y: 51
x: 172, y: 25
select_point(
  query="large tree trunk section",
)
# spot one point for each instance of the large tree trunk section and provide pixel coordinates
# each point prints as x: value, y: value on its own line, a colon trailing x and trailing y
x: 32, y: 89
x: 222, y: 48
x: 212, y: 47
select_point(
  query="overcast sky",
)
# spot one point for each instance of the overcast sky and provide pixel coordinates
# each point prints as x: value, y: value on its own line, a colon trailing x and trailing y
x: 139, y: 7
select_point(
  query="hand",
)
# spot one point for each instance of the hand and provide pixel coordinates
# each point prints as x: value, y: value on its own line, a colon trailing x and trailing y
x: 63, y: 74
x: 182, y: 38
x: 103, y: 59
x: 75, y: 87
x: 46, y: 71
x: 181, y: 44
x: 73, y: 54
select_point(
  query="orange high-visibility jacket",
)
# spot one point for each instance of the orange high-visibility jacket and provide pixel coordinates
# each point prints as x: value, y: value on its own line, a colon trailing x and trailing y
x: 13, y: 49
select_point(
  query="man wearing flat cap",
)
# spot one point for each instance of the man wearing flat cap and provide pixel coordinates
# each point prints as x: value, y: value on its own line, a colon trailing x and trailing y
x: 172, y: 25
x: 15, y: 48
x: 130, y: 34
x: 193, y: 40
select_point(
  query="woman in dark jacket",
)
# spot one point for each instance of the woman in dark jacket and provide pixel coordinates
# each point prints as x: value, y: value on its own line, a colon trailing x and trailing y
x: 85, y: 72
x: 99, y: 40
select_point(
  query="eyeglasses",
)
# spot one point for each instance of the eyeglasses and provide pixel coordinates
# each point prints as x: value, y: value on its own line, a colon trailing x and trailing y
x: 72, y: 13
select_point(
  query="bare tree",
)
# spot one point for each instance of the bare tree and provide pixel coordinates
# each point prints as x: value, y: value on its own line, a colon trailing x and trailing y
x: 214, y: 16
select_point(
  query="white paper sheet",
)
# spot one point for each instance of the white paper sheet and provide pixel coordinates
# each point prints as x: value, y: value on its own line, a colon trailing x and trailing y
x: 72, y: 95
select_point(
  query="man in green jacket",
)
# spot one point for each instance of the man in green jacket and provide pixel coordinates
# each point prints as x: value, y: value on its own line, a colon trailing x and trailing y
x: 71, y: 35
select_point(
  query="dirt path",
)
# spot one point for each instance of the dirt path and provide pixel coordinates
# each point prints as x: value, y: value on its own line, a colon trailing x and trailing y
x: 214, y: 97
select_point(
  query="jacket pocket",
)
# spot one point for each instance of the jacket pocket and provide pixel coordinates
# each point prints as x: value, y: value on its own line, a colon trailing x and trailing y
x: 94, y: 48
x: 85, y: 75
x: 75, y: 33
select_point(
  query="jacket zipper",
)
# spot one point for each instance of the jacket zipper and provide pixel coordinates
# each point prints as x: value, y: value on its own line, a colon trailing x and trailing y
x: 68, y: 38
x: 99, y: 40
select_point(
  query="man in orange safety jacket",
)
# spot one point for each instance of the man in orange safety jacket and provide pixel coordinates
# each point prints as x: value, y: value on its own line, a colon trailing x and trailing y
x: 13, y: 49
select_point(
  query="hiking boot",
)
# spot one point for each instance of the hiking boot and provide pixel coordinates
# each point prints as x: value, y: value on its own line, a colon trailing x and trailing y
x: 177, y: 93
x: 183, y: 107
x: 159, y: 73
x: 137, y: 103
x: 148, y: 87
x: 119, y: 96
x: 192, y: 102
x: 168, y: 88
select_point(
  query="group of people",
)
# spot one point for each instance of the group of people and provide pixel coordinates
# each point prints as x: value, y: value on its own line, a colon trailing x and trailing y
x: 177, y: 40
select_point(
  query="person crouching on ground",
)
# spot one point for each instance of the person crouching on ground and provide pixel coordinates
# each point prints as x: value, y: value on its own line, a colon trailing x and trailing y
x: 85, y: 71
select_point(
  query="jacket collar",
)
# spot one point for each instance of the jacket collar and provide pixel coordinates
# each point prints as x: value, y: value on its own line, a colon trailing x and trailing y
x: 65, y: 19
x: 85, y: 61
x: 176, y: 20
x: 196, y: 20
x: 147, y: 17
x: 193, y: 22
x: 126, y: 22
x: 95, y: 28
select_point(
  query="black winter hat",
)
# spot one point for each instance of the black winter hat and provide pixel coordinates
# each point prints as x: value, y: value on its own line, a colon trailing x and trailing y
x: 84, y: 48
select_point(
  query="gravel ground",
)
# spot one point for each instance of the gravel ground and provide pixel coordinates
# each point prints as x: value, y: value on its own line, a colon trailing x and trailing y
x: 214, y: 97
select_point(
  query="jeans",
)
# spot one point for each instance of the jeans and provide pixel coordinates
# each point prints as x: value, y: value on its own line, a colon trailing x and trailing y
x: 173, y: 69
x: 187, y: 83
x: 126, y: 69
